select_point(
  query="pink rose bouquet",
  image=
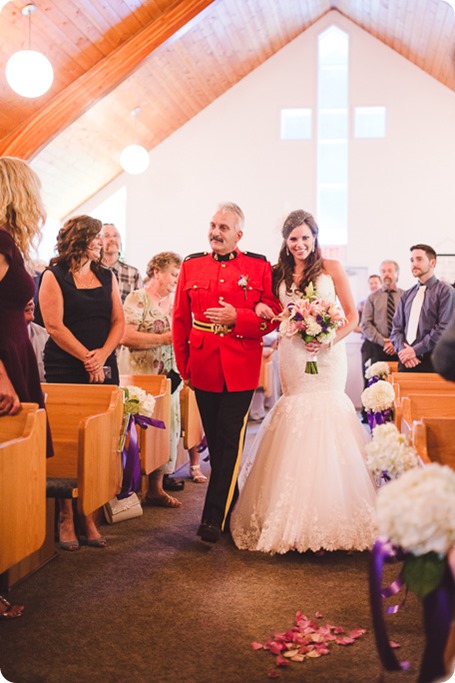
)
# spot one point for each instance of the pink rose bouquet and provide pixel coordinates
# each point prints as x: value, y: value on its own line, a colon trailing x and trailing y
x: 312, y: 319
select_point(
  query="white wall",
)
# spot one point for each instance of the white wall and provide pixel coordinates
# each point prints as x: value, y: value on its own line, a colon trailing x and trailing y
x: 401, y: 187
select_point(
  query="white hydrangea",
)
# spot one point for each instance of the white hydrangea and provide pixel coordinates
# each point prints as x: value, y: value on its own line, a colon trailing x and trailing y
x: 389, y: 451
x: 313, y: 328
x: 379, y: 396
x: 138, y: 401
x: 380, y: 369
x: 417, y: 511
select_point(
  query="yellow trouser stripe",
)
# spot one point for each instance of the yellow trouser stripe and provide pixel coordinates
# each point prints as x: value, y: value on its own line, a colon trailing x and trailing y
x: 235, y: 473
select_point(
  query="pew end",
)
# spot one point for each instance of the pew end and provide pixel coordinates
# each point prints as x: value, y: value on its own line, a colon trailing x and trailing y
x: 22, y: 484
x: 85, y: 421
x: 192, y: 429
x: 435, y: 438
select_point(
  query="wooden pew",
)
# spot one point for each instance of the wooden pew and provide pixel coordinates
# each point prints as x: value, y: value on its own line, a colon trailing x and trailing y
x: 417, y: 406
x: 434, y: 439
x: 154, y: 444
x: 192, y: 429
x: 417, y: 383
x: 22, y: 484
x: 85, y: 421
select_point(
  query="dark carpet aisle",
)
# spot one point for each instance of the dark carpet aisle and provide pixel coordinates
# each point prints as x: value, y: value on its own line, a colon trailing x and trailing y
x: 158, y: 605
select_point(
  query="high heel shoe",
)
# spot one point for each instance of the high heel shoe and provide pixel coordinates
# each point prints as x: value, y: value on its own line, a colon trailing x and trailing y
x: 10, y: 611
x: 97, y: 542
x: 70, y: 545
x: 196, y: 474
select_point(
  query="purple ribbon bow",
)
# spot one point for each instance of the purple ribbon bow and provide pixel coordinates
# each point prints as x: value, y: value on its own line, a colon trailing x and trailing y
x: 130, y: 454
x: 438, y: 608
x: 379, y: 418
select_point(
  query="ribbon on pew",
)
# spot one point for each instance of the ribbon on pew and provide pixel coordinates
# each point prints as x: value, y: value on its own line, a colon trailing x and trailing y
x: 438, y: 609
x: 130, y: 453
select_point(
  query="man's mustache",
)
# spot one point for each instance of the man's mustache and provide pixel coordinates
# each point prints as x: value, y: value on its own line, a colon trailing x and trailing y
x: 217, y: 239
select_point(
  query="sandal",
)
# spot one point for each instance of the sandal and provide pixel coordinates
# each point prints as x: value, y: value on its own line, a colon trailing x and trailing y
x: 196, y: 474
x: 10, y: 611
x: 165, y: 501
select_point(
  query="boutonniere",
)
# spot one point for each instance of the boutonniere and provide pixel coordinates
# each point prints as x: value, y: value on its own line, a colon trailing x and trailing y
x: 243, y: 283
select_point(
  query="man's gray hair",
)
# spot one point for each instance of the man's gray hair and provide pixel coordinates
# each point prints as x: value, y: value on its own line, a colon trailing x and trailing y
x: 389, y: 260
x: 234, y: 208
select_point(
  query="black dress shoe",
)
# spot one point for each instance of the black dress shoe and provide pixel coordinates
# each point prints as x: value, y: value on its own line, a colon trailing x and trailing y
x: 209, y: 532
x: 171, y: 484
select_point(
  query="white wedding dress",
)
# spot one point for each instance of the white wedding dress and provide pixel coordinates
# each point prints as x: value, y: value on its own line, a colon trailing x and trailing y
x: 305, y: 484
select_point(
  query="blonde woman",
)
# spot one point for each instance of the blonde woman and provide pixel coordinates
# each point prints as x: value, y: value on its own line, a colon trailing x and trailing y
x: 22, y: 216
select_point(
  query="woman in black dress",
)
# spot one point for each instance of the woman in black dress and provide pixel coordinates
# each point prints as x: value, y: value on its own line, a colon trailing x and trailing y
x: 21, y: 218
x: 83, y: 314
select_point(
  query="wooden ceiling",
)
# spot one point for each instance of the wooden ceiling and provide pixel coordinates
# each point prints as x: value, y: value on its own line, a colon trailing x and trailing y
x: 171, y: 58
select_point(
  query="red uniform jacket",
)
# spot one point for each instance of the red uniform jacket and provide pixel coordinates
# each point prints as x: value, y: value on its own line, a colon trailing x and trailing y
x: 211, y: 360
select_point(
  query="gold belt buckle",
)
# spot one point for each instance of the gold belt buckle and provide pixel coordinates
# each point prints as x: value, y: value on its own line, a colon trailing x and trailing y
x: 221, y: 329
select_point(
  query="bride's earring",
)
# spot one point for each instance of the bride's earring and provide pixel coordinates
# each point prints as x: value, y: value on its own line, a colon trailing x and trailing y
x: 287, y: 250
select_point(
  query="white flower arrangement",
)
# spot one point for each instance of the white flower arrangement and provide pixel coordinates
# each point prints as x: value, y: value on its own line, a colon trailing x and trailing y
x: 137, y: 401
x: 380, y: 369
x: 389, y: 454
x: 379, y: 396
x: 416, y: 512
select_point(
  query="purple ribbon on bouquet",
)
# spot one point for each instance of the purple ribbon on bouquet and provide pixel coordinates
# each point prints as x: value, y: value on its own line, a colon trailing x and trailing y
x: 130, y: 454
x: 437, y: 615
x: 380, y: 417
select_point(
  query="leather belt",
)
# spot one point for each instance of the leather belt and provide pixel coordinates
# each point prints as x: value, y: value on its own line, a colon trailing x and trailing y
x: 215, y: 328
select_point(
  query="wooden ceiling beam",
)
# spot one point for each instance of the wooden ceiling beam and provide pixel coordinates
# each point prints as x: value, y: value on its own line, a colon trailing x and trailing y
x: 32, y: 135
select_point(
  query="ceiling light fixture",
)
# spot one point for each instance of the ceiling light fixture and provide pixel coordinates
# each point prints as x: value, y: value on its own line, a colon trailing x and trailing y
x: 134, y: 159
x: 28, y: 72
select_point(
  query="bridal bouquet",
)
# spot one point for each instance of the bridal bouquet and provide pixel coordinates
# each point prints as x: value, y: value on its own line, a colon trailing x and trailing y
x: 312, y: 318
x: 388, y: 454
x: 378, y: 400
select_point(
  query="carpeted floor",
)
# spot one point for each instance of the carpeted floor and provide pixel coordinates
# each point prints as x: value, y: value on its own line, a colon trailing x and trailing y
x: 158, y: 605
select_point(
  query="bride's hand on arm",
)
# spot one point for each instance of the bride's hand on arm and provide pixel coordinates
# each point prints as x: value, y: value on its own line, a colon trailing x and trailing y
x: 264, y: 311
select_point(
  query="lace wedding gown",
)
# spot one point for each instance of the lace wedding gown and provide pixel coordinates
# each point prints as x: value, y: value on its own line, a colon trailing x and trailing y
x: 305, y: 484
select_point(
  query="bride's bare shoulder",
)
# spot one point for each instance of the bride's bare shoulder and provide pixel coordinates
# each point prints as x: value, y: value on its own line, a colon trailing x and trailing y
x: 331, y: 267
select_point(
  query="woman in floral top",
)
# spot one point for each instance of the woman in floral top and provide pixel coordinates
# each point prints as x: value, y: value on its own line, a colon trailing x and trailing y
x: 148, y: 338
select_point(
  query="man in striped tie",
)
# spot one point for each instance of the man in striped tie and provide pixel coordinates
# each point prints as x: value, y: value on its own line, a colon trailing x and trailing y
x: 423, y: 313
x: 378, y: 313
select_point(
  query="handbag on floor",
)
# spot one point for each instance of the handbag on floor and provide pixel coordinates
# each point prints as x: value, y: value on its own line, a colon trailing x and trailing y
x: 116, y: 510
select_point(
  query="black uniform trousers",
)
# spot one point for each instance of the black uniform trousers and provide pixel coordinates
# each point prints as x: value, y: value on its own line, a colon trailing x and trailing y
x: 224, y: 418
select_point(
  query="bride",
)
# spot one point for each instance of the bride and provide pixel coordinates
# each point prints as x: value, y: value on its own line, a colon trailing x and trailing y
x: 305, y: 484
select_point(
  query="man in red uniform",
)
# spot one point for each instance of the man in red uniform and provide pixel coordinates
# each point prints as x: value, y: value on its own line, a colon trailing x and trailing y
x: 218, y: 348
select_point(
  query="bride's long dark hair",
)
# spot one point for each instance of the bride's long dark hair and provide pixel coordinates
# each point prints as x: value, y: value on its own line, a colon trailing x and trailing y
x: 283, y: 270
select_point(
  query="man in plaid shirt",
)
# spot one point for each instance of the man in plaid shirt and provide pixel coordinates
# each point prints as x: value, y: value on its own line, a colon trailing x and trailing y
x: 128, y: 277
